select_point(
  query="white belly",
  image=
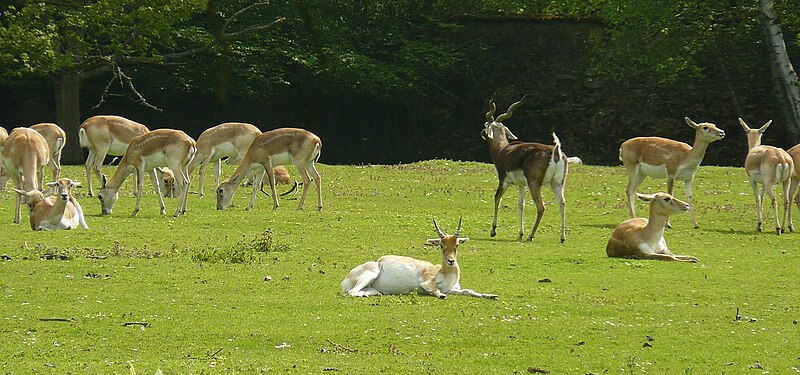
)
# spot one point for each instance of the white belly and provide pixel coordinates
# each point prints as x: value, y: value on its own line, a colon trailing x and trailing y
x: 397, y: 278
x: 117, y: 148
x: 516, y: 178
x: 280, y: 159
x: 63, y: 224
x: 226, y: 149
x: 653, y: 170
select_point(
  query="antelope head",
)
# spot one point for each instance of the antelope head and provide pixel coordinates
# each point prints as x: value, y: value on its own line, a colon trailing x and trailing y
x: 493, y: 127
x: 448, y: 243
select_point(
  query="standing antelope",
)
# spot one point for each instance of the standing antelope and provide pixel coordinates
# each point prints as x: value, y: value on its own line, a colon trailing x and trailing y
x: 393, y: 274
x: 794, y: 152
x: 644, y: 238
x: 25, y: 153
x: 4, y: 176
x: 106, y: 135
x: 527, y: 165
x: 55, y: 212
x: 768, y: 165
x: 270, y: 149
x: 158, y: 148
x: 230, y: 139
x: 56, y: 139
x: 662, y: 157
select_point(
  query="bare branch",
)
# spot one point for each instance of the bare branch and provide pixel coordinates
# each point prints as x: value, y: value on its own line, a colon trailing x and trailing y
x: 241, y: 11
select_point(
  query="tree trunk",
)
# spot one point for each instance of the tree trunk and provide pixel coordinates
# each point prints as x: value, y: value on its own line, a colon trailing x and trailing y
x: 785, y: 77
x: 68, y: 114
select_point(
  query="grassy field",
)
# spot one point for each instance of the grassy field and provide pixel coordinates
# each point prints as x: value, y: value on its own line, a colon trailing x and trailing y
x: 258, y: 291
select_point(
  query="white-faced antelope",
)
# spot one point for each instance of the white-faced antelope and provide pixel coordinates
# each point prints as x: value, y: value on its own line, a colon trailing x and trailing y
x: 272, y: 148
x: 227, y: 140
x: 106, y: 135
x: 56, y: 139
x: 25, y: 153
x: 158, y: 148
x: 61, y: 211
x: 528, y: 165
x: 644, y: 238
x: 666, y: 158
x: 769, y: 166
x: 393, y: 274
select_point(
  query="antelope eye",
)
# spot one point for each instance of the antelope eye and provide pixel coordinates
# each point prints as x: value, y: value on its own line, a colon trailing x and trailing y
x: 668, y: 199
x: 220, y: 191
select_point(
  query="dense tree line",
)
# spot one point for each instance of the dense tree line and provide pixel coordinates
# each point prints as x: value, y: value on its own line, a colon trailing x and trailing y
x: 398, y: 81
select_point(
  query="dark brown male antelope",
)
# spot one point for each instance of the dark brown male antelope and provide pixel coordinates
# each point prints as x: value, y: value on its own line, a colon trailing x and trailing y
x: 525, y: 164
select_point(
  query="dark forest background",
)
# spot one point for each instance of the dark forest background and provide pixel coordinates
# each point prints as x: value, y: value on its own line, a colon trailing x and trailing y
x: 397, y: 82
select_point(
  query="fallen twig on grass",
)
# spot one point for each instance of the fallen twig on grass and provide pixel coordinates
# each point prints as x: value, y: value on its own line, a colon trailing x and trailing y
x: 340, y: 346
x: 143, y: 324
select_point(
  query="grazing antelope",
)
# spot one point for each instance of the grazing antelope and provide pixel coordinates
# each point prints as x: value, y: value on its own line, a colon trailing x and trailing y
x: 527, y: 165
x: 270, y: 149
x: 165, y: 182
x: 393, y: 274
x: 662, y: 157
x: 768, y: 165
x: 25, y: 153
x: 106, y: 135
x: 61, y: 211
x: 644, y: 238
x: 158, y: 148
x: 56, y: 139
x: 228, y: 140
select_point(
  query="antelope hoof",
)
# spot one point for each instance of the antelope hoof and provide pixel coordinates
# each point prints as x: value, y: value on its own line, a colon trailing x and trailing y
x: 443, y: 296
x: 319, y: 208
x: 696, y: 226
x: 669, y: 226
x: 163, y: 212
x: 758, y: 227
x: 519, y: 239
x: 493, y: 232
x: 530, y: 238
x: 563, y: 239
x: 778, y: 230
x: 135, y: 212
x: 490, y: 296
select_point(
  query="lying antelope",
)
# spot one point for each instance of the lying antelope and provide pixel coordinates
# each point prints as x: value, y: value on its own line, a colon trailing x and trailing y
x: 644, y: 238
x: 61, y: 211
x: 662, y: 157
x: 393, y: 274
x: 270, y: 149
x: 25, y: 153
x: 228, y: 140
x: 767, y: 165
x: 56, y: 139
x: 165, y: 181
x: 527, y: 165
x: 158, y: 148
x: 106, y: 135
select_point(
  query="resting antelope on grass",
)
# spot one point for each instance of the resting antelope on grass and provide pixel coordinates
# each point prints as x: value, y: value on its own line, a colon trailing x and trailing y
x: 61, y: 211
x: 662, y: 157
x: 106, y: 135
x: 525, y: 164
x: 393, y: 274
x: 769, y: 166
x: 270, y: 149
x: 644, y: 238
x: 158, y: 148
x: 25, y: 153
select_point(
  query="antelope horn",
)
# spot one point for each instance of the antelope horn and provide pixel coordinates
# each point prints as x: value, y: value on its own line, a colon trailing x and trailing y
x: 458, y: 231
x: 492, y: 108
x: 438, y: 230
x: 511, y: 108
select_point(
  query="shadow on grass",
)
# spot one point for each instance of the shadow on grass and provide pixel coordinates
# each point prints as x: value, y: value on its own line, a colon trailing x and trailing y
x: 738, y: 232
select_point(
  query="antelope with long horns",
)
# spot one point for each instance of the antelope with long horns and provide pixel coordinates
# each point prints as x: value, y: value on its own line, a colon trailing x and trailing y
x: 393, y: 274
x: 527, y: 165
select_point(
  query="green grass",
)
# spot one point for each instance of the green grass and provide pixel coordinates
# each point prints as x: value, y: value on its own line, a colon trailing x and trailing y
x: 255, y: 291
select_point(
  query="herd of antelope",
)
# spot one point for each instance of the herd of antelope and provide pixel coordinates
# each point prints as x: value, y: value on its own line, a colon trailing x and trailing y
x: 169, y: 157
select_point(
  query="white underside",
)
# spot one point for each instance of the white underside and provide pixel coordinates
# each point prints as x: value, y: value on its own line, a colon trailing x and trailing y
x: 661, y: 171
x: 117, y: 148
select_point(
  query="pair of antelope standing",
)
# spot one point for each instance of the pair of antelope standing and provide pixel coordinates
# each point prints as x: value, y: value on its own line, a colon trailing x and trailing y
x: 143, y: 150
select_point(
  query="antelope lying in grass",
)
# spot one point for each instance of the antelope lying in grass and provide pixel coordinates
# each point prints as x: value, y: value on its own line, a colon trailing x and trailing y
x: 662, y: 157
x: 61, y: 211
x: 392, y: 274
x: 56, y: 139
x: 106, y: 135
x: 527, y: 165
x: 25, y: 153
x: 768, y: 165
x: 270, y: 149
x: 158, y: 148
x: 644, y: 238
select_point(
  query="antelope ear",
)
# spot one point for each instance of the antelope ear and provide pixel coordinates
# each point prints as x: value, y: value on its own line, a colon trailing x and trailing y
x: 488, y: 133
x: 105, y: 180
x: 20, y: 192
x: 764, y: 128
x: 510, y: 135
x: 462, y: 239
x: 646, y: 197
x: 76, y: 183
x: 744, y: 125
x: 54, y: 183
x: 433, y: 242
x: 690, y: 122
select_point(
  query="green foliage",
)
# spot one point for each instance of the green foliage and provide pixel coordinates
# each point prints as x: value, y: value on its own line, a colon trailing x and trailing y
x: 46, y: 36
x: 563, y: 307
